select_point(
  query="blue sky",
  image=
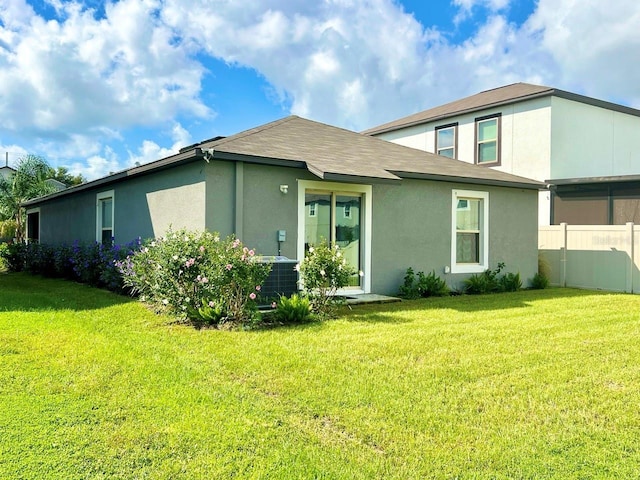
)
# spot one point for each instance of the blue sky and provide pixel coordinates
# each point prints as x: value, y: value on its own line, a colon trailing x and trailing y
x: 98, y: 86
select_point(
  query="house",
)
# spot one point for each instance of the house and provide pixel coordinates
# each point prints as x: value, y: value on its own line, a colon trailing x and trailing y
x: 6, y: 171
x: 293, y: 182
x: 586, y: 149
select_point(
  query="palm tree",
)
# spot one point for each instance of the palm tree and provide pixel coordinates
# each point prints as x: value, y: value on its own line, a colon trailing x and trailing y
x: 27, y: 182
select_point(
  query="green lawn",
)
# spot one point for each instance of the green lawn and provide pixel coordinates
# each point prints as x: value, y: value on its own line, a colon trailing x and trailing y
x: 536, y: 384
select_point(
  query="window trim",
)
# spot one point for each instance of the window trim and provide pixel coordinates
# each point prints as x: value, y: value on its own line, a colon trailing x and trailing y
x: 498, y: 161
x: 99, y: 198
x: 455, y: 138
x: 366, y: 219
x: 484, y: 232
x: 29, y: 212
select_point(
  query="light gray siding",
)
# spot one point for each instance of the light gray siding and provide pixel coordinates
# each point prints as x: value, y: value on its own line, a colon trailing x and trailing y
x: 412, y: 228
x: 144, y: 207
x: 267, y: 209
x: 411, y: 221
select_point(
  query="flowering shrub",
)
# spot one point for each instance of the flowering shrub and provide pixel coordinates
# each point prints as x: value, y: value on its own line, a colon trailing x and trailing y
x: 323, y: 271
x: 196, y: 275
x: 91, y: 263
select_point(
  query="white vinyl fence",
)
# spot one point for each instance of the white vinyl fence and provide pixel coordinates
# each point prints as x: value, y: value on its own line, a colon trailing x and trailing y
x: 603, y: 257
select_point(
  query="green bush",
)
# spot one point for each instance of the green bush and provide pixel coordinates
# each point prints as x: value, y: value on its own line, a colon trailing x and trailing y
x: 93, y: 263
x: 13, y: 256
x: 425, y: 286
x: 295, y: 309
x: 539, y: 281
x: 431, y: 285
x: 197, y: 276
x: 490, y: 281
x: 324, y: 271
x: 409, y: 288
x: 4, y: 250
x: 509, y: 282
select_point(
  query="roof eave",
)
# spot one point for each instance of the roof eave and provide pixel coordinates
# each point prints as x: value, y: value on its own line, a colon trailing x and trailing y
x: 464, y: 111
x: 585, y: 180
x: 533, y: 185
x: 147, y: 168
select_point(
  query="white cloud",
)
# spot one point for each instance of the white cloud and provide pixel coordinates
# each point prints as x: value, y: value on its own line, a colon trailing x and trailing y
x: 594, y: 43
x: 75, y: 83
x: 150, y: 151
x: 83, y: 73
x: 10, y: 154
x: 97, y: 166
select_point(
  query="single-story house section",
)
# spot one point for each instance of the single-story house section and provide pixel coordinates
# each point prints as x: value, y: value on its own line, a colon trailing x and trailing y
x: 287, y: 184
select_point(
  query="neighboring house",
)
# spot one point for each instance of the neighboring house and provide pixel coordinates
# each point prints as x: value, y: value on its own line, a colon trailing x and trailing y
x: 586, y: 149
x: 6, y: 171
x: 293, y: 182
x: 56, y: 184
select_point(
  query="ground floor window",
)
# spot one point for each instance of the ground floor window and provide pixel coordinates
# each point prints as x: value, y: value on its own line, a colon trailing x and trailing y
x: 469, y: 235
x: 104, y: 217
x: 340, y: 214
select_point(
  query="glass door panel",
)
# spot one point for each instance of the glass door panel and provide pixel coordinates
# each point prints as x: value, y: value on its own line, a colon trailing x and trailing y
x: 317, y: 228
x: 347, y: 231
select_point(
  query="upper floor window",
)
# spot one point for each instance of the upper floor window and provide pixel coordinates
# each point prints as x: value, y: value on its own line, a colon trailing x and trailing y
x: 488, y: 140
x: 104, y: 217
x: 446, y: 140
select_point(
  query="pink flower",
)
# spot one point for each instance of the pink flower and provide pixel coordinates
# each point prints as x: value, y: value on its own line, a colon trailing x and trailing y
x: 235, y: 243
x: 201, y: 248
x: 251, y: 253
x: 229, y: 266
x: 211, y: 304
x: 274, y: 305
x: 252, y: 296
x: 258, y: 287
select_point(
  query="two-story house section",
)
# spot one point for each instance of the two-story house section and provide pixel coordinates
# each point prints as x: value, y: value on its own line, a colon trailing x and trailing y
x: 587, y: 150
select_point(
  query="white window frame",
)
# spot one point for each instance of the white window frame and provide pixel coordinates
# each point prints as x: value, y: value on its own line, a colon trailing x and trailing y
x: 367, y: 202
x: 453, y: 147
x: 99, y: 198
x: 484, y: 231
x: 491, y: 118
x: 28, y: 212
x: 312, y: 209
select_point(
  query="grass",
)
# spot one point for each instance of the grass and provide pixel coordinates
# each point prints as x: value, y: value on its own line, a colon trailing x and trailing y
x: 535, y: 384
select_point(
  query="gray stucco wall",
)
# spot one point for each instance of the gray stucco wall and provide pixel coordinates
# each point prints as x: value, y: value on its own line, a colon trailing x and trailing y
x: 411, y: 221
x: 412, y: 228
x: 69, y: 218
x: 267, y: 209
x: 144, y: 206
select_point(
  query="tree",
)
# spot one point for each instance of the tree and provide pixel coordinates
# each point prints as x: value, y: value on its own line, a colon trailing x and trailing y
x: 62, y: 174
x: 27, y: 182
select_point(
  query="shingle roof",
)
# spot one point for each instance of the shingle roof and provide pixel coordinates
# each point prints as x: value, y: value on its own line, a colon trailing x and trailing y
x: 492, y: 98
x: 331, y: 153
x: 334, y: 153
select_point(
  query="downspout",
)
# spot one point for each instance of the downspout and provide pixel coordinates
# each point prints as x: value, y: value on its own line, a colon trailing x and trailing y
x: 239, y: 203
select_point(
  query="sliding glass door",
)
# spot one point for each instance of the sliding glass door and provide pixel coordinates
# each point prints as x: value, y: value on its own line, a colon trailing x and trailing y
x: 335, y: 217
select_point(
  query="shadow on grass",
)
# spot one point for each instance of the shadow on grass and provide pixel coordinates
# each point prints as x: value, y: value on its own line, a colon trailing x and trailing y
x: 388, y: 312
x: 21, y: 292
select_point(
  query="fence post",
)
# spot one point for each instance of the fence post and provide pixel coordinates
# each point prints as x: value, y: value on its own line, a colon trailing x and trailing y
x: 630, y: 263
x: 563, y: 255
